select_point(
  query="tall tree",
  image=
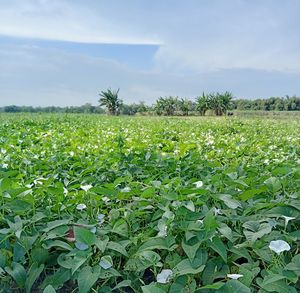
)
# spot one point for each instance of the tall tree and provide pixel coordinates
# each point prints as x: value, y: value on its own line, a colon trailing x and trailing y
x: 220, y: 102
x: 167, y: 106
x: 111, y: 101
x: 202, y: 104
x: 185, y: 106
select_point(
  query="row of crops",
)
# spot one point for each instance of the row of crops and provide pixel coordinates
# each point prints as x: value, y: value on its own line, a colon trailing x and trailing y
x: 119, y: 204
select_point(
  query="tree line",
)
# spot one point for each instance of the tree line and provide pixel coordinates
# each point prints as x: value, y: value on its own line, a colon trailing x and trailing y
x: 214, y: 103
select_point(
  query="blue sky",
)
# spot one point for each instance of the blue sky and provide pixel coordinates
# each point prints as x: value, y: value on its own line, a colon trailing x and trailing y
x: 63, y: 52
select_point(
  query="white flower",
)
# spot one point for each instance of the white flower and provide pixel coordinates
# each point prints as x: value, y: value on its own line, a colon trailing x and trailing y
x: 126, y: 189
x: 162, y: 230
x: 217, y: 211
x: 279, y: 246
x: 287, y: 219
x: 198, y: 184
x: 106, y: 262
x: 71, y: 153
x: 164, y: 276
x: 105, y: 199
x: 234, y: 276
x: 81, y: 207
x: 100, y: 218
x: 86, y: 188
x: 81, y: 246
x: 4, y: 166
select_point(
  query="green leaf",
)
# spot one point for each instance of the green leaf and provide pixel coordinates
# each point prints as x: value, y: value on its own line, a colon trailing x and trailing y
x: 18, y: 206
x: 120, y: 227
x: 276, y: 283
x: 272, y: 279
x: 226, y: 231
x: 294, y: 265
x: 87, y: 277
x: 117, y: 247
x: 57, y: 243
x: 234, y: 286
x: 18, y: 273
x: 57, y: 280
x: 125, y: 283
x: 273, y: 184
x: 55, y: 224
x: 255, y: 230
x: 190, y: 250
x: 84, y: 235
x: 249, y: 272
x: 49, y: 289
x: 210, y: 222
x: 73, y: 262
x: 32, y: 276
x: 167, y: 243
x: 102, y: 243
x: 229, y: 201
x: 186, y: 267
x: 248, y: 194
x: 218, y: 246
x: 214, y: 286
x: 151, y: 289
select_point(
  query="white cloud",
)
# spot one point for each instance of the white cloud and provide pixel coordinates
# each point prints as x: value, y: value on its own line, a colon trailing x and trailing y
x: 66, y: 21
x: 248, y: 47
x: 194, y: 35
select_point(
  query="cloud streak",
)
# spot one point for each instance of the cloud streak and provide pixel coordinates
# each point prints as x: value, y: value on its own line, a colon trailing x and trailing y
x: 247, y: 47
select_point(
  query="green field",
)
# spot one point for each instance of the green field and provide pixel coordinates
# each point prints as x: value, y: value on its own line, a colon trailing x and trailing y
x: 91, y: 203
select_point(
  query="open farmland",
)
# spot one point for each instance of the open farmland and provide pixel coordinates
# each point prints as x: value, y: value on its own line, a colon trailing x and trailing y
x: 149, y: 204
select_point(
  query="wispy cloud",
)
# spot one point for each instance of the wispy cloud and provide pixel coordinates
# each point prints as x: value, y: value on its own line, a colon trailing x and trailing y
x: 74, y: 21
x: 248, y: 47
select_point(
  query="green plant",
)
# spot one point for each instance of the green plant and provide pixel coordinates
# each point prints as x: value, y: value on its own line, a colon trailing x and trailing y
x: 111, y: 101
x: 149, y: 204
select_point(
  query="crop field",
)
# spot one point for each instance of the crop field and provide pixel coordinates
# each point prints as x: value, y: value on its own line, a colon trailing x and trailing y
x: 91, y: 203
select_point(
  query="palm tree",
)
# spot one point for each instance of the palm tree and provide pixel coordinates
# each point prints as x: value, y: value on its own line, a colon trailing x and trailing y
x: 167, y: 106
x: 185, y: 106
x: 220, y: 102
x: 202, y: 104
x: 226, y: 101
x: 111, y: 101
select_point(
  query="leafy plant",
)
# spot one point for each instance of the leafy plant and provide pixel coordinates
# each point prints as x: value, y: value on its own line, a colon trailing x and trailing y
x: 149, y: 204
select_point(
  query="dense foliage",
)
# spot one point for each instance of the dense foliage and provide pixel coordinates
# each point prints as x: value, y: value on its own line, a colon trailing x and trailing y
x: 149, y: 204
x: 271, y: 104
x: 169, y: 106
x: 110, y: 99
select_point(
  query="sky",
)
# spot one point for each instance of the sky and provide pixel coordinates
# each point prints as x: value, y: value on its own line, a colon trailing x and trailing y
x: 64, y: 52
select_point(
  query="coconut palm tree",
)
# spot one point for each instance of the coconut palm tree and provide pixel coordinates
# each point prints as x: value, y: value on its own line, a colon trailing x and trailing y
x: 111, y: 101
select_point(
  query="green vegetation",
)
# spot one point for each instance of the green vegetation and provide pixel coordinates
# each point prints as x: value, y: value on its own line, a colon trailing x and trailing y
x: 111, y: 101
x: 149, y: 204
x: 217, y: 103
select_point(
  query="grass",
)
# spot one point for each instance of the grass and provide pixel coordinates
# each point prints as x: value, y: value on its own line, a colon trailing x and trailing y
x: 148, y: 204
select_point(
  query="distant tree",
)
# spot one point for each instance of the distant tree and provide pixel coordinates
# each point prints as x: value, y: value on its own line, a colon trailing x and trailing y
x: 185, y: 106
x: 88, y: 108
x: 111, y: 101
x: 166, y: 106
x: 12, y: 109
x: 220, y: 102
x: 202, y: 104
